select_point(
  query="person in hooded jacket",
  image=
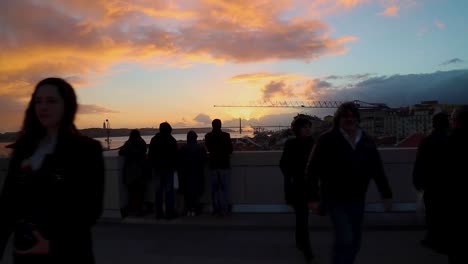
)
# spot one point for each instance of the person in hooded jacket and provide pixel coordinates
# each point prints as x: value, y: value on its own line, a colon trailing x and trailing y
x: 162, y: 154
x: 134, y: 153
x: 191, y: 171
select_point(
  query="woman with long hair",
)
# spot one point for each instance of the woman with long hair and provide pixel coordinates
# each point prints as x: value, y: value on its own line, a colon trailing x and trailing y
x: 53, y: 192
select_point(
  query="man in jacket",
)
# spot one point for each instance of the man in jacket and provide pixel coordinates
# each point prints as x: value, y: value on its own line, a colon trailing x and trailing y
x: 428, y: 170
x: 342, y: 163
x: 293, y: 166
x: 219, y: 146
x: 163, y: 155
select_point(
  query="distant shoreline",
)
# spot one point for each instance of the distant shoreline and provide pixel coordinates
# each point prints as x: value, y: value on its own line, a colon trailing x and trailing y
x: 117, y: 132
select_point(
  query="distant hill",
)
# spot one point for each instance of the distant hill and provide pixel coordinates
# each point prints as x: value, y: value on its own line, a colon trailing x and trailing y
x: 124, y: 132
x: 116, y: 132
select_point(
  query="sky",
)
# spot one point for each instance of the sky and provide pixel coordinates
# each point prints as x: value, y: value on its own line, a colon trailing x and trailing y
x: 142, y: 62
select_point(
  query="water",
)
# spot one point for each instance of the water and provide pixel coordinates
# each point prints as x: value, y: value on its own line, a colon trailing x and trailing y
x: 117, y: 142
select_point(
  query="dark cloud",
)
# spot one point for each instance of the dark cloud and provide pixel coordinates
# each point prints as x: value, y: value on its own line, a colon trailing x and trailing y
x: 203, y: 119
x: 94, y: 109
x: 403, y: 90
x: 452, y: 61
x: 349, y: 77
x: 334, y: 77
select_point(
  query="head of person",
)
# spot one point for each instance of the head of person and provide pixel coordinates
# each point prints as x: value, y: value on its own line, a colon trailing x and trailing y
x: 460, y: 118
x: 192, y: 137
x: 301, y: 126
x: 52, y: 109
x: 134, y: 135
x: 165, y: 128
x: 440, y: 121
x: 347, y: 117
x: 216, y: 124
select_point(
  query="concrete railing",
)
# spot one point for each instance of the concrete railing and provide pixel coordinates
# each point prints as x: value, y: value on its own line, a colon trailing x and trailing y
x: 257, y: 182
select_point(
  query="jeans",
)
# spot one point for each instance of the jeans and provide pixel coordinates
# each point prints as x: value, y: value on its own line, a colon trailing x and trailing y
x: 347, y: 223
x: 164, y: 185
x: 220, y: 185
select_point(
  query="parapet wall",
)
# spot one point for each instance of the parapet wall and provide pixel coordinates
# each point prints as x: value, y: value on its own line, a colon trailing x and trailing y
x: 257, y: 182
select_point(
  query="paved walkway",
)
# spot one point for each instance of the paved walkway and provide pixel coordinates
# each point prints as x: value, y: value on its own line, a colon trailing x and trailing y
x: 244, y: 239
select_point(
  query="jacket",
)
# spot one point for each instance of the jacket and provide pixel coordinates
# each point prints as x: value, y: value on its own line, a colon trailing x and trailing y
x: 339, y: 173
x: 219, y: 146
x: 293, y: 165
x: 63, y: 199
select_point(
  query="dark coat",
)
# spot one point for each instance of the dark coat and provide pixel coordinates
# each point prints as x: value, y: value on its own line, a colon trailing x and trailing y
x: 162, y: 152
x: 344, y: 173
x: 454, y: 186
x: 191, y: 169
x: 219, y: 146
x: 63, y: 198
x: 429, y: 164
x: 293, y: 164
x: 134, y: 153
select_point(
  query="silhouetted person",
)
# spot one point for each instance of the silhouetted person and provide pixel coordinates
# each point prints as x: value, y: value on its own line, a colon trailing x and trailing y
x: 53, y: 192
x: 191, y: 168
x: 429, y: 170
x: 293, y: 166
x: 454, y: 184
x: 163, y: 154
x: 219, y: 146
x: 134, y: 152
x: 342, y: 163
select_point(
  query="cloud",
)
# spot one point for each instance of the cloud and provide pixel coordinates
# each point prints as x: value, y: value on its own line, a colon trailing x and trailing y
x: 351, y: 3
x: 276, y: 89
x: 321, y: 8
x: 452, y: 61
x: 350, y: 77
x: 402, y: 90
x: 439, y: 24
x: 12, y: 113
x: 202, y: 118
x: 395, y: 90
x: 84, y: 38
x: 315, y: 89
x: 390, y: 11
x: 86, y: 109
x: 263, y: 76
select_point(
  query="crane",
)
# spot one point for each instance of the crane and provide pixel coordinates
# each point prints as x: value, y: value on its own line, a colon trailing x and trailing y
x: 308, y: 104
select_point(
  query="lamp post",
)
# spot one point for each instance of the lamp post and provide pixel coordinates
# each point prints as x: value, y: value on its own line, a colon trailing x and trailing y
x: 106, y: 126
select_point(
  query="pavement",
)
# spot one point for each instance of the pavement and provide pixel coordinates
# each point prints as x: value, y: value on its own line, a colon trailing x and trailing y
x: 249, y: 238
